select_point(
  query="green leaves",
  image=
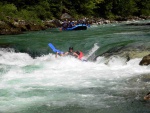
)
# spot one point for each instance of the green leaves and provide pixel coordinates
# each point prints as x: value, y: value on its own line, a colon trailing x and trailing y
x: 49, y: 9
x: 8, y: 9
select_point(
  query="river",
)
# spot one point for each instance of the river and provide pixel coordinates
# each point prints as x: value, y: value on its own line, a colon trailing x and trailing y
x: 32, y: 80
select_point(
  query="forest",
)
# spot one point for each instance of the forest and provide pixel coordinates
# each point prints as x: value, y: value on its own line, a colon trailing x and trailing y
x: 38, y: 10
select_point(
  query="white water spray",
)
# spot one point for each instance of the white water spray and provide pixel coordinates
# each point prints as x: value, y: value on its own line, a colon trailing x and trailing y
x: 90, y: 54
x: 64, y: 80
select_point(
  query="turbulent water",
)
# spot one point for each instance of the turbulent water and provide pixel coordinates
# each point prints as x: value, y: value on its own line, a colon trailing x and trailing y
x: 32, y: 80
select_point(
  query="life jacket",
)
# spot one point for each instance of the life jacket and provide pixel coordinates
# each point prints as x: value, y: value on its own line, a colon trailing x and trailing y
x: 80, y: 55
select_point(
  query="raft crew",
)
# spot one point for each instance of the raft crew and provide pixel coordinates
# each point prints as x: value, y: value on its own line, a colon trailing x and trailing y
x: 69, y: 24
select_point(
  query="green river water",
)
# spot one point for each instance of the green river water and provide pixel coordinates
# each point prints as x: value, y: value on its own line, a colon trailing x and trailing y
x: 32, y: 80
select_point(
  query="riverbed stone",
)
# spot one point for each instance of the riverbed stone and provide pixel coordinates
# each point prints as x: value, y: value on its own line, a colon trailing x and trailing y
x: 130, y: 51
x: 145, y: 60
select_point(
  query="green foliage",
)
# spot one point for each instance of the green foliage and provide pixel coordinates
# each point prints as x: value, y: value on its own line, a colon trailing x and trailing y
x: 28, y: 15
x: 36, y: 10
x: 42, y: 10
x: 8, y: 9
x: 125, y: 7
x: 144, y: 7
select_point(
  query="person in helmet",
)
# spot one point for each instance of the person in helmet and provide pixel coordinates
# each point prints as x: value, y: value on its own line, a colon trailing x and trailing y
x: 70, y: 52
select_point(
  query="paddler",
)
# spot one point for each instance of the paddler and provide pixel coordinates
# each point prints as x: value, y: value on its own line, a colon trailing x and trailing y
x: 78, y: 54
x: 70, y: 52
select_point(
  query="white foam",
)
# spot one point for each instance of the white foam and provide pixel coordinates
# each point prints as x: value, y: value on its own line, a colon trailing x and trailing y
x: 12, y: 58
x: 50, y: 75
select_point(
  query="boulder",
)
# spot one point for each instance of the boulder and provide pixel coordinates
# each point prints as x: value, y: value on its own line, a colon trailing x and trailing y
x: 145, y: 60
x: 147, y: 97
x: 52, y: 23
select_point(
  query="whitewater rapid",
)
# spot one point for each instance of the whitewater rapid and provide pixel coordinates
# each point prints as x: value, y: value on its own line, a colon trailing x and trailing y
x: 50, y: 81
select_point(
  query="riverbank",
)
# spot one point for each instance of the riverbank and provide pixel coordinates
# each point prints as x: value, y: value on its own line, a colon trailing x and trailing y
x: 16, y: 26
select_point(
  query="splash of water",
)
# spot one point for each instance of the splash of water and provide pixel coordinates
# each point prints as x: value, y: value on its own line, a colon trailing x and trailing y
x: 91, y: 55
x: 64, y: 81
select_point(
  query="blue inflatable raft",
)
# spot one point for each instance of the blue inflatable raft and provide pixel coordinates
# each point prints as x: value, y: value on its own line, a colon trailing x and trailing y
x: 77, y: 27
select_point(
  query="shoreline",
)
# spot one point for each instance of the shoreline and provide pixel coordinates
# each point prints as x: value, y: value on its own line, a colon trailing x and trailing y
x: 16, y: 26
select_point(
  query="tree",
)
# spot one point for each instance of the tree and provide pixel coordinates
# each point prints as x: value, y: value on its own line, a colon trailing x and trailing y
x: 143, y: 7
x: 124, y: 8
x: 8, y: 9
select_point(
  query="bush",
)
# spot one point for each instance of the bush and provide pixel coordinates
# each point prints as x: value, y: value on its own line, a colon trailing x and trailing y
x: 8, y: 9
